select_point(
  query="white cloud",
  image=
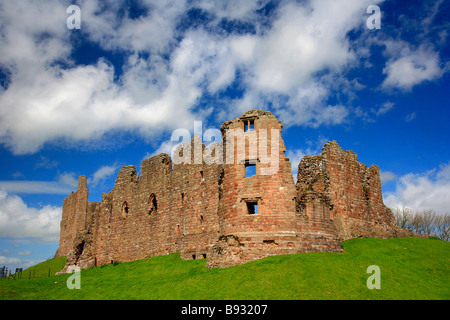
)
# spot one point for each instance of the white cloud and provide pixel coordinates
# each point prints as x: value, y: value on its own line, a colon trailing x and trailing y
x: 14, y: 262
x: 283, y: 63
x: 154, y: 32
x: 64, y: 184
x: 314, y: 147
x: 35, y: 187
x: 232, y: 9
x: 166, y: 147
x: 294, y: 157
x: 45, y: 102
x: 386, y: 176
x: 9, y: 260
x: 17, y: 220
x: 24, y: 253
x: 292, y: 62
x: 428, y: 190
x: 444, y: 172
x: 411, y: 68
x: 387, y: 106
x: 46, y: 163
x: 303, y: 40
x: 410, y: 117
x: 103, y: 173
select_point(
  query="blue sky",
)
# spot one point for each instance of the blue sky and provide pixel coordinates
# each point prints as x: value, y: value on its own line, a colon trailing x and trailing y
x: 88, y: 101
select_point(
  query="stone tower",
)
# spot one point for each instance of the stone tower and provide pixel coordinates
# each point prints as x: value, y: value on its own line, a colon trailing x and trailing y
x: 257, y: 207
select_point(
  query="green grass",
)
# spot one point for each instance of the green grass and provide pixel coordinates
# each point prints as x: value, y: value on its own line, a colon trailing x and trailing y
x: 43, y: 269
x: 411, y: 268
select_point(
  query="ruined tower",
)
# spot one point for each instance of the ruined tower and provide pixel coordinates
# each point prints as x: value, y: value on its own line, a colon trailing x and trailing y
x: 257, y: 207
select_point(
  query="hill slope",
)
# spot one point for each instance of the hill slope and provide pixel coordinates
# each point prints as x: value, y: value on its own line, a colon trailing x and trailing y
x: 411, y: 268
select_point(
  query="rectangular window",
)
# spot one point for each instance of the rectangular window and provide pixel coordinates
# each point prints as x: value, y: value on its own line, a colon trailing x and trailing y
x: 250, y: 169
x: 249, y: 125
x: 252, y: 207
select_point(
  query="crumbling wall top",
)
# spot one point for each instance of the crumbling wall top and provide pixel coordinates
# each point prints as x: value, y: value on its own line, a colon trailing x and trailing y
x: 255, y: 113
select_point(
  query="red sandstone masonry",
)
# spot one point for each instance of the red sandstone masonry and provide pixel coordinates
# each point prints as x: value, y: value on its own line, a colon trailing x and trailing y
x: 201, y: 210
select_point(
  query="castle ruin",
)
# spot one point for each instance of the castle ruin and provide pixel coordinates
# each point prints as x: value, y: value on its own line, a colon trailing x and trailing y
x: 232, y: 210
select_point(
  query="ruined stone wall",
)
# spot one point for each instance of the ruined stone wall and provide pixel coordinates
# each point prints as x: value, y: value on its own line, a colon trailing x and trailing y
x: 351, y: 191
x: 166, y: 210
x: 74, y: 217
x: 204, y: 209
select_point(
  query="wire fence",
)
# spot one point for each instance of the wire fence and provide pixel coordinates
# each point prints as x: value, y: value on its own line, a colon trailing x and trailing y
x: 21, y: 274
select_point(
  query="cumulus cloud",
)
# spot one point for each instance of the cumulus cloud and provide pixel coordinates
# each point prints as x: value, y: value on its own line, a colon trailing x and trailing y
x: 386, y: 176
x: 35, y: 187
x: 313, y: 147
x: 103, y: 173
x: 46, y: 101
x: 305, y: 40
x: 64, y: 184
x: 411, y: 68
x: 68, y: 179
x: 166, y: 147
x: 290, y: 62
x: 9, y: 260
x: 421, y: 191
x: 17, y: 220
x: 13, y: 262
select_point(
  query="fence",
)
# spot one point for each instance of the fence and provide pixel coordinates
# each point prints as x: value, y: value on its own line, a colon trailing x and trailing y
x: 3, y: 272
x: 27, y: 274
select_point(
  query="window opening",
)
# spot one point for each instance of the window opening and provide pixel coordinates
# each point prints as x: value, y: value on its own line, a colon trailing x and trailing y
x: 249, y: 125
x: 222, y: 174
x: 252, y: 207
x: 125, y: 209
x: 152, y: 203
x: 250, y: 169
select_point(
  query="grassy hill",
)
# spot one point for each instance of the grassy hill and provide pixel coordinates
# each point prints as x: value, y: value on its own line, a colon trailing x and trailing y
x: 411, y: 268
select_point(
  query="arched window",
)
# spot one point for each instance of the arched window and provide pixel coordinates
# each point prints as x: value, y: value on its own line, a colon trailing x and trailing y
x: 125, y: 209
x: 152, y: 204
